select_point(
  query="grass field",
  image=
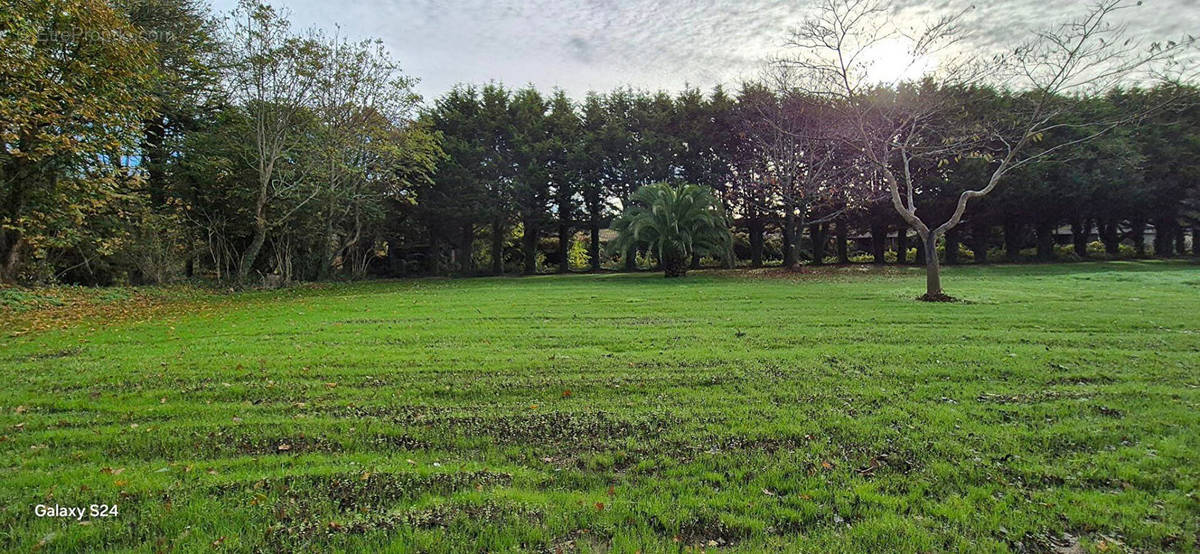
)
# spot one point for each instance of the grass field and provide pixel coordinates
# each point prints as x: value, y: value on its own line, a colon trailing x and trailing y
x: 1057, y: 409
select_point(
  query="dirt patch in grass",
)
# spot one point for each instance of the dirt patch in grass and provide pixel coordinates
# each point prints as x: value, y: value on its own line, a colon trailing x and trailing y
x: 354, y: 491
x: 200, y: 445
x: 554, y: 427
x: 309, y: 510
x: 1030, y: 398
x: 701, y: 531
x: 403, y: 415
x: 52, y: 355
x: 296, y: 528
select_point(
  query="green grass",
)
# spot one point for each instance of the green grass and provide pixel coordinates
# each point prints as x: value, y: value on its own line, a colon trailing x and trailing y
x: 1058, y: 408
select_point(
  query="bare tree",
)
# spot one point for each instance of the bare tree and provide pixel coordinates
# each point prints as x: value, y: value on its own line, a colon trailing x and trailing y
x: 782, y: 129
x: 897, y: 125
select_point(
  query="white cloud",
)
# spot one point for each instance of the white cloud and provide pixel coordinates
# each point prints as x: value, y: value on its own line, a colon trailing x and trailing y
x: 600, y: 44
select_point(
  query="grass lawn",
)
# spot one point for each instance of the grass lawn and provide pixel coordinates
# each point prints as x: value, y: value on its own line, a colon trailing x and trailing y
x: 1058, y: 408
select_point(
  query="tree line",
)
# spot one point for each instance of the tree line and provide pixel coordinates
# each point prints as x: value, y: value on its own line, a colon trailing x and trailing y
x: 151, y: 141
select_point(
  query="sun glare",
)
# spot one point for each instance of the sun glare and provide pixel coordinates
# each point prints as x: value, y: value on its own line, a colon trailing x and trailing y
x: 891, y: 61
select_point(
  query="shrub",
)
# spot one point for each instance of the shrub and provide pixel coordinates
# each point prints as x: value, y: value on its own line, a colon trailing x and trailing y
x: 578, y: 258
x: 673, y: 223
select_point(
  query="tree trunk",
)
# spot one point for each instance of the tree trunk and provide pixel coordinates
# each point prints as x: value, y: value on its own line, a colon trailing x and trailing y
x: 594, y: 245
x: 789, y: 239
x: 1012, y: 240
x: 466, y: 247
x: 153, y: 134
x: 878, y: 243
x: 817, y: 234
x: 631, y: 259
x: 979, y: 243
x: 330, y: 250
x: 1081, y: 229
x: 1110, y: 237
x: 497, y: 247
x: 564, y: 247
x: 12, y: 258
x: 1180, y: 240
x: 1196, y: 240
x: 1164, y: 243
x: 529, y: 242
x: 1137, y: 232
x: 251, y: 253
x: 1045, y: 241
x: 12, y: 240
x: 951, y: 247
x: 933, y: 271
x: 921, y: 258
x: 674, y: 264
x: 260, y: 228
x: 843, y: 251
x: 756, y: 228
x: 902, y: 245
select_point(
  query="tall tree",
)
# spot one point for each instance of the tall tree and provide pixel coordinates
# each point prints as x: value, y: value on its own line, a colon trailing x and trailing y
x: 564, y: 135
x: 73, y: 92
x: 592, y: 162
x: 272, y: 76
x: 365, y: 106
x: 454, y: 202
x: 530, y: 158
x: 498, y: 168
x: 185, y: 79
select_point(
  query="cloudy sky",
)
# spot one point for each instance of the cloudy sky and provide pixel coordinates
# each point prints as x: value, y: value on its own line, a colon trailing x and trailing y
x: 581, y: 45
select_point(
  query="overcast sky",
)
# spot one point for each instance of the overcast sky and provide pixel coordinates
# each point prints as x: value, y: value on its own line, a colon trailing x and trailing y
x: 581, y: 45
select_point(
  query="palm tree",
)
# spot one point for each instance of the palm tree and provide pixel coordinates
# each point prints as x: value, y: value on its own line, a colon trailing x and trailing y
x: 675, y: 223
